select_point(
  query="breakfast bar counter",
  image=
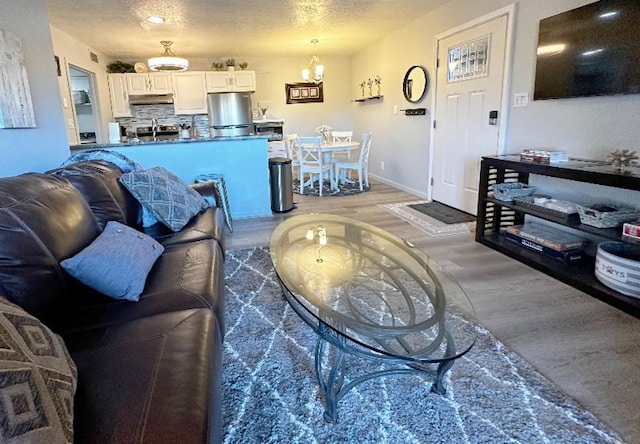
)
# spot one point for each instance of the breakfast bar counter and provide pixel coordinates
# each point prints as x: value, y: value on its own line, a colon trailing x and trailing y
x: 241, y: 160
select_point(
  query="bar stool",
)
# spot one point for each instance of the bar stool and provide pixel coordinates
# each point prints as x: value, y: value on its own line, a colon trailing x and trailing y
x: 221, y: 188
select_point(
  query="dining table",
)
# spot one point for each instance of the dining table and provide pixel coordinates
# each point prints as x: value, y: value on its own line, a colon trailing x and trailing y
x: 327, y: 148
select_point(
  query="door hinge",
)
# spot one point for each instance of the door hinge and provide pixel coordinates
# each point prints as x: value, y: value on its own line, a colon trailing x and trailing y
x: 434, y: 124
x: 437, y: 63
x: 432, y: 181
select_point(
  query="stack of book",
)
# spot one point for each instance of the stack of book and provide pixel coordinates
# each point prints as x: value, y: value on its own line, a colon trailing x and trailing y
x: 547, y: 241
x: 543, y: 156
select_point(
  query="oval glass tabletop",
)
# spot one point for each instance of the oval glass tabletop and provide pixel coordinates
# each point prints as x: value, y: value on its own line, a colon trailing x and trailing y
x: 372, y: 288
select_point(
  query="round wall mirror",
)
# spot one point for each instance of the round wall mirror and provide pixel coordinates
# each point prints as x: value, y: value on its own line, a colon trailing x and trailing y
x: 415, y: 84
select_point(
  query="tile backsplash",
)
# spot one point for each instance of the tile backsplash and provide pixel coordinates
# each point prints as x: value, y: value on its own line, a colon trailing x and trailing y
x: 142, y: 115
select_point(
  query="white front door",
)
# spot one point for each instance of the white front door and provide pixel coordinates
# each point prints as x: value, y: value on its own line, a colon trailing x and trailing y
x: 469, y: 90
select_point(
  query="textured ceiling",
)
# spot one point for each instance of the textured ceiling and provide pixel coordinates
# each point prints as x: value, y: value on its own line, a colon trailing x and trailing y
x: 231, y: 28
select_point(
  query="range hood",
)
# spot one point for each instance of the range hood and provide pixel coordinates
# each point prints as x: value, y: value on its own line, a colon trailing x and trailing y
x: 151, y: 99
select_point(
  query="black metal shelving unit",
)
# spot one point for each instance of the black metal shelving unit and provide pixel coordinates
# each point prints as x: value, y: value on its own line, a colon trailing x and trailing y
x: 493, y: 215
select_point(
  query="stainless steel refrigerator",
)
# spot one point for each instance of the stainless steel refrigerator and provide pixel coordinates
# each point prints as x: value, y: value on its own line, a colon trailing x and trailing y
x: 230, y: 114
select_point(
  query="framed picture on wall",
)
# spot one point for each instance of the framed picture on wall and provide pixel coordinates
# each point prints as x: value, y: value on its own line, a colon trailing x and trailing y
x: 304, y: 92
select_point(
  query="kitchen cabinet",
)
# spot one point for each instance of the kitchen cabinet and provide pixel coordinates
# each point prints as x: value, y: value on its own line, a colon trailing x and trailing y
x: 230, y: 81
x: 189, y: 92
x: 494, y: 215
x: 149, y: 83
x: 118, y: 95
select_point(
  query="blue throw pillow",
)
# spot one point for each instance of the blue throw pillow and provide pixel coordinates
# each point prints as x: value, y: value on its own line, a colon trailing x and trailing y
x: 165, y: 195
x: 117, y: 262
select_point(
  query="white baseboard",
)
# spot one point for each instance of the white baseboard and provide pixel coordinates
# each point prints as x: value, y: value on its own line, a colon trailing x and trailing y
x: 399, y: 186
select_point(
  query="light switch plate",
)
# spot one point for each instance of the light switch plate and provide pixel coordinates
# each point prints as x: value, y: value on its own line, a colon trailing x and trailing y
x: 520, y: 99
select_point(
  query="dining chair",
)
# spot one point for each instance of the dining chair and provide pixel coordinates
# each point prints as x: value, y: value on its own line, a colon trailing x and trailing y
x: 290, y: 142
x: 361, y: 165
x: 341, y: 136
x: 311, y: 162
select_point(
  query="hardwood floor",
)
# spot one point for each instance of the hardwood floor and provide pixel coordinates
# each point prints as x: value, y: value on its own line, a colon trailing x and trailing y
x: 589, y: 349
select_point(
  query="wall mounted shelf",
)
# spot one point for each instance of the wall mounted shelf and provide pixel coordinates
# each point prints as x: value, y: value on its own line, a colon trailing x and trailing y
x: 364, y: 99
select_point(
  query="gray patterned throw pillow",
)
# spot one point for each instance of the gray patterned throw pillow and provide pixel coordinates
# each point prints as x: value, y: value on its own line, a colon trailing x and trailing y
x: 37, y: 380
x: 165, y: 195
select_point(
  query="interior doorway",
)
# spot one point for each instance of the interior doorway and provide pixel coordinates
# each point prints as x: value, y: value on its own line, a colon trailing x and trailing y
x: 470, y: 103
x: 85, y: 104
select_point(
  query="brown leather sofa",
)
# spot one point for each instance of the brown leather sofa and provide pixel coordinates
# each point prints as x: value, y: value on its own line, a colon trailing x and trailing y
x: 148, y: 371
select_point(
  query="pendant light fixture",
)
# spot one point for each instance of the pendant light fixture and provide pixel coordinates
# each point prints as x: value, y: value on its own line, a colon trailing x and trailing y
x: 315, y: 72
x: 168, y: 61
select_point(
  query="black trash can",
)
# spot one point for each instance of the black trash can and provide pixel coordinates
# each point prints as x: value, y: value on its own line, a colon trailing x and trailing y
x: 281, y: 184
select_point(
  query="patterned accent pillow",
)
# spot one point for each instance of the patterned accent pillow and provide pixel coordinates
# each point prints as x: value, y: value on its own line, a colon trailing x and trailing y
x: 165, y: 195
x: 117, y: 262
x: 38, y: 380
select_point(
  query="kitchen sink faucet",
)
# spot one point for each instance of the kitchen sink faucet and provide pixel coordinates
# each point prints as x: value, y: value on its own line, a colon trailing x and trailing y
x: 154, y: 128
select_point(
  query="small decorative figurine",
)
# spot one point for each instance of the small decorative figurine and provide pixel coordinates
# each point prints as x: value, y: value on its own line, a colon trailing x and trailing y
x: 621, y: 158
x: 378, y: 81
x: 370, y: 85
x: 362, y: 85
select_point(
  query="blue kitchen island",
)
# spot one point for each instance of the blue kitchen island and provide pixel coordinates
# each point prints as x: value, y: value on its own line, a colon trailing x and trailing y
x: 242, y: 160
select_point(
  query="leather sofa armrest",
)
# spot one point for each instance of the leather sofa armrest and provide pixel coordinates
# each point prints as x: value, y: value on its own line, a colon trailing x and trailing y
x: 209, y: 191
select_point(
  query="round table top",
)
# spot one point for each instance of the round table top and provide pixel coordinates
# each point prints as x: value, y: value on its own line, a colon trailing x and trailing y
x: 373, y: 288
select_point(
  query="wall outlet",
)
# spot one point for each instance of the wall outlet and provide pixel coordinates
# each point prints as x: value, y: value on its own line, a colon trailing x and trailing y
x: 395, y: 109
x: 381, y: 166
x: 70, y: 124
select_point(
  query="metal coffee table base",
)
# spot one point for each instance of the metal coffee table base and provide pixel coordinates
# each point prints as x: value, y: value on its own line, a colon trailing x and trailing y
x: 332, y: 381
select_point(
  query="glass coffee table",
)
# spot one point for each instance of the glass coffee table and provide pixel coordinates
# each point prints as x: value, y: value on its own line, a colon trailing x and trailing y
x: 369, y: 295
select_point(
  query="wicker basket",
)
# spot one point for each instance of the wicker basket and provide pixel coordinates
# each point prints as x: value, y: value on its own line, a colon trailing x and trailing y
x: 606, y: 215
x: 509, y: 190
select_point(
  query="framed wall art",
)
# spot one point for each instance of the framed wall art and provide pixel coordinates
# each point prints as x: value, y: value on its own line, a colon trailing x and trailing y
x: 16, y: 107
x: 304, y: 92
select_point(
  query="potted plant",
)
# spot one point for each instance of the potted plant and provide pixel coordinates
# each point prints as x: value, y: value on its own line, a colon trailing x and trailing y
x: 243, y: 65
x: 231, y: 64
x: 217, y: 66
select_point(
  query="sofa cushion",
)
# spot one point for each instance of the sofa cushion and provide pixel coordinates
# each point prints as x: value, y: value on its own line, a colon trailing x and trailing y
x: 165, y: 195
x: 208, y: 224
x: 43, y: 220
x: 186, y: 276
x: 37, y: 380
x: 117, y: 262
x: 155, y: 379
x: 98, y: 183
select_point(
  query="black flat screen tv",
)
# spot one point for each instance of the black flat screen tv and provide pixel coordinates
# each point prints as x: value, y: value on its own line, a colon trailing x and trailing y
x: 589, y: 51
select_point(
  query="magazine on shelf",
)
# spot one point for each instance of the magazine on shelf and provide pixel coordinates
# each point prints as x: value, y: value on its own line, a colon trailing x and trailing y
x: 566, y: 256
x: 543, y: 156
x: 548, y: 236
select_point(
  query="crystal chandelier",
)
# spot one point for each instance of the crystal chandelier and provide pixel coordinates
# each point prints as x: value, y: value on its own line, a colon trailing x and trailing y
x: 315, y: 72
x: 168, y: 61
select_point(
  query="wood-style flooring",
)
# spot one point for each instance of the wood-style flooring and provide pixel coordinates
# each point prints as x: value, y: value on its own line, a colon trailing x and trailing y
x: 586, y: 347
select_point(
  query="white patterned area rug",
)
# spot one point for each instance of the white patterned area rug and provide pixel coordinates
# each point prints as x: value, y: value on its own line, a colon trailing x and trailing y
x: 429, y: 225
x: 270, y: 393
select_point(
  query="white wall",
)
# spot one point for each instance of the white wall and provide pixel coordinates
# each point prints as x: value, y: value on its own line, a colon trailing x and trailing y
x: 44, y: 147
x: 585, y: 127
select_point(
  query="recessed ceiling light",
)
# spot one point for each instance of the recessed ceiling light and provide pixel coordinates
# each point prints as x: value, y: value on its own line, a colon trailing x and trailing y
x: 155, y: 19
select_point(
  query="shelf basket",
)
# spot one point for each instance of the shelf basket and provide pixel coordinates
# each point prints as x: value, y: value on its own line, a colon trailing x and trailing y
x: 617, y: 215
x: 509, y: 190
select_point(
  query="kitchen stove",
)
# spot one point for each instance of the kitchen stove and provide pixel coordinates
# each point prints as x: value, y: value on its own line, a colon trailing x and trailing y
x: 164, y: 132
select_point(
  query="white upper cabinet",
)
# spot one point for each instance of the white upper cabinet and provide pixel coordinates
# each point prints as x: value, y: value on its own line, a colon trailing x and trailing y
x: 118, y: 95
x: 189, y: 92
x: 149, y: 83
x: 228, y: 81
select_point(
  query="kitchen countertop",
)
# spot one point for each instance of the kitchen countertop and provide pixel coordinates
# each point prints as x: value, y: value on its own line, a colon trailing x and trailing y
x: 91, y: 146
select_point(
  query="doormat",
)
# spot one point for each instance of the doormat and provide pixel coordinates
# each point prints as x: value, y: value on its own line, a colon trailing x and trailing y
x: 430, y: 225
x: 444, y: 213
x: 270, y: 392
x: 345, y: 189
